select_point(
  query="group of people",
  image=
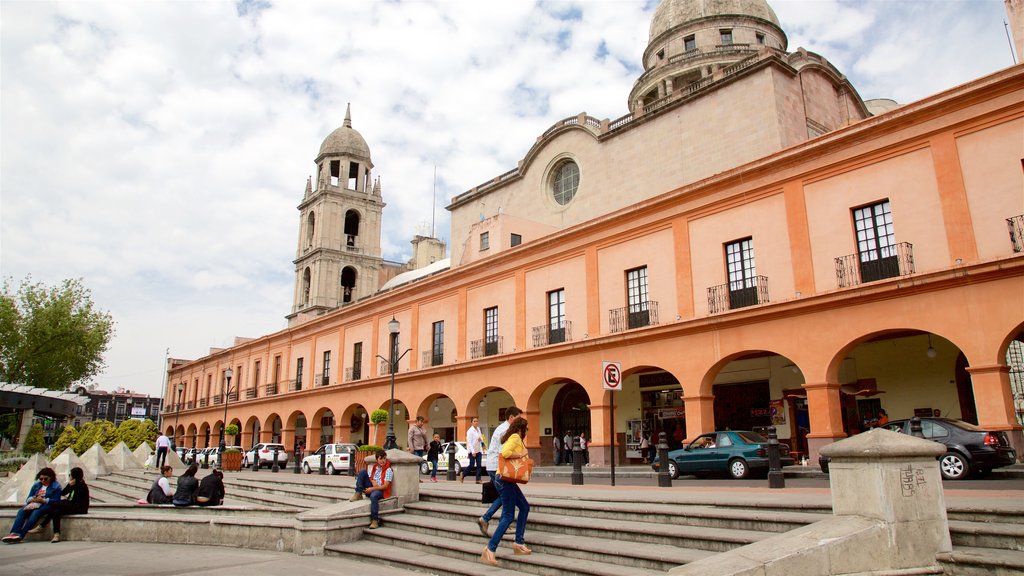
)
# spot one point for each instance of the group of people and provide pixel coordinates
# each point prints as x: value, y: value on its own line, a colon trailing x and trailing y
x: 48, y: 501
x: 562, y: 448
x: 207, y: 492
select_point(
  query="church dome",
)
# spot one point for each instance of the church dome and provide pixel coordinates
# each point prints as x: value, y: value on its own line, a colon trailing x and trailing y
x: 673, y: 13
x: 345, y: 141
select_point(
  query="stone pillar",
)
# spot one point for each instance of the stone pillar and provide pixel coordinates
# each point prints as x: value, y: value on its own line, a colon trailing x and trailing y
x: 995, y: 403
x: 599, y: 448
x: 246, y: 439
x: 343, y: 434
x: 26, y: 425
x: 266, y: 435
x: 700, y: 415
x: 893, y: 478
x: 825, y: 410
x: 406, y: 466
x: 462, y: 424
x: 312, y: 439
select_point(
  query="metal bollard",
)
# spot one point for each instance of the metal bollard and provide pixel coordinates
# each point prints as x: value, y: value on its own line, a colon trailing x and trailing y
x: 776, y: 479
x: 275, y: 467
x: 577, y: 462
x: 323, y: 462
x: 206, y: 459
x: 255, y: 461
x: 352, y: 463
x: 298, y: 462
x: 664, y: 478
x: 451, y: 462
x: 915, y: 427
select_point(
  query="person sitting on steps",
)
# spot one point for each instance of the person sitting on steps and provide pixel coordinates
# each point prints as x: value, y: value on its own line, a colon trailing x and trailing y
x: 75, y: 501
x: 160, y: 492
x: 375, y: 482
x: 211, y: 489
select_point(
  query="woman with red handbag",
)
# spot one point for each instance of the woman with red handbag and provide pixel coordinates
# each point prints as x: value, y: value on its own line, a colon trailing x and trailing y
x: 514, y: 468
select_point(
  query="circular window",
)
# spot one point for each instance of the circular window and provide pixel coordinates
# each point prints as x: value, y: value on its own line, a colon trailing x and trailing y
x: 565, y: 180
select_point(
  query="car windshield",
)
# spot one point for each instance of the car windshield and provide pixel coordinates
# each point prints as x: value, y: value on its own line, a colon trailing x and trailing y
x: 752, y: 437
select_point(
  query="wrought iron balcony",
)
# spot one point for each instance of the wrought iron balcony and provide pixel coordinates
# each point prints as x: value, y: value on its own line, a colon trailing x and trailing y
x: 483, y: 347
x: 190, y: 405
x: 353, y: 373
x: 233, y: 395
x: 322, y: 379
x: 432, y: 359
x: 250, y: 393
x: 545, y: 335
x: 896, y: 260
x: 294, y: 385
x: 271, y: 389
x: 1016, y: 226
x: 385, y: 368
x: 633, y: 316
x: 202, y: 402
x: 218, y: 399
x: 738, y: 294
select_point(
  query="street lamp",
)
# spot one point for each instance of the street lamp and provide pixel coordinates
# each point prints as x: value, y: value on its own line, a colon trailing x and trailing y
x: 227, y: 391
x: 177, y: 410
x: 393, y: 327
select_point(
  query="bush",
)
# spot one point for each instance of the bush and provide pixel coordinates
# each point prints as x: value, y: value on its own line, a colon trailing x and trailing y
x: 35, y: 442
x: 369, y: 448
x: 100, y: 432
x: 231, y: 430
x: 135, y: 432
x: 12, y: 463
x: 66, y: 440
x: 379, y: 416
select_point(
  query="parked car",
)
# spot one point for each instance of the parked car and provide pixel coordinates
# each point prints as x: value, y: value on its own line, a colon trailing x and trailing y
x: 190, y: 455
x: 736, y: 452
x: 265, y: 453
x: 336, y: 458
x: 461, y: 459
x: 968, y: 447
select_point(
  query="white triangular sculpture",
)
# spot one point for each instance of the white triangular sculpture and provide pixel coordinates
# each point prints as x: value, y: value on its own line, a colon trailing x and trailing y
x: 174, y: 461
x: 67, y: 460
x: 142, y: 454
x: 120, y: 457
x: 95, y: 460
x: 16, y: 488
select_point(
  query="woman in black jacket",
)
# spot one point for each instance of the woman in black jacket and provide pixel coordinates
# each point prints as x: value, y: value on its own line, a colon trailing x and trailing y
x: 185, y: 495
x: 74, y: 500
x: 211, y: 489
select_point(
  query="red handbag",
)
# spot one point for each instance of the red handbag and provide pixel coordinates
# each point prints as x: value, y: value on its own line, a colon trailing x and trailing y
x: 515, y: 470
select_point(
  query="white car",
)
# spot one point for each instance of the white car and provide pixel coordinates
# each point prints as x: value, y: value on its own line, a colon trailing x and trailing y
x: 266, y: 455
x: 461, y: 459
x: 336, y: 458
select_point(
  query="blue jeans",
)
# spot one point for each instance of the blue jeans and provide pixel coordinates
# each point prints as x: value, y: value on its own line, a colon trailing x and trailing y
x: 497, y: 503
x: 558, y: 456
x: 26, y: 519
x: 433, y: 468
x: 362, y: 483
x: 475, y: 463
x: 512, y: 497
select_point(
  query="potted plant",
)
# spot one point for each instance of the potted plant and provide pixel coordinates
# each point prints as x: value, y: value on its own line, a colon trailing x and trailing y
x: 231, y: 460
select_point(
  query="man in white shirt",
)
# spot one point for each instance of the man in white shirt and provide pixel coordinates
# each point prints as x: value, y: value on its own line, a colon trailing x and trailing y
x: 474, y: 444
x: 163, y: 444
x: 493, y: 450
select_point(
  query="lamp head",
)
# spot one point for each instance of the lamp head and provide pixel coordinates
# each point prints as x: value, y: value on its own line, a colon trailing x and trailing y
x: 228, y: 373
x: 394, y: 326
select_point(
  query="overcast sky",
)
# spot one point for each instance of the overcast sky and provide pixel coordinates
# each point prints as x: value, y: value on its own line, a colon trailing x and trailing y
x: 158, y: 150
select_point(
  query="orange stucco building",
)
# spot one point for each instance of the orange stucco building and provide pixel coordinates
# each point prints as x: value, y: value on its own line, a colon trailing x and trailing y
x: 753, y: 243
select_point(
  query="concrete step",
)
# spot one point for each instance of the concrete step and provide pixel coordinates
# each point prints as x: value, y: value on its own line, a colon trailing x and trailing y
x: 133, y: 486
x: 537, y: 563
x: 987, y: 535
x: 422, y: 563
x: 982, y: 514
x: 308, y: 491
x: 605, y: 550
x: 969, y: 561
x: 639, y: 530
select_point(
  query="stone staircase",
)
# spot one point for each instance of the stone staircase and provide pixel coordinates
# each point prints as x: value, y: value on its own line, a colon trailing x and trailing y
x: 985, y: 542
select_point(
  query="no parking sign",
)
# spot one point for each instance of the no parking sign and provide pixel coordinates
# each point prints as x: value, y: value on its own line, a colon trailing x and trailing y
x: 611, y: 374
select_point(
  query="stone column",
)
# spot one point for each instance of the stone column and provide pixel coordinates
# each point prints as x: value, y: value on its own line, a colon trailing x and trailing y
x: 700, y: 415
x: 825, y: 410
x: 599, y: 449
x: 26, y: 425
x: 406, y: 466
x: 995, y: 403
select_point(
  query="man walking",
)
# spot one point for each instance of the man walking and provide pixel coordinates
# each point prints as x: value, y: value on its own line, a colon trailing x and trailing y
x: 556, y: 449
x: 493, y: 450
x: 567, y: 447
x: 418, y: 440
x: 163, y: 444
x: 474, y: 444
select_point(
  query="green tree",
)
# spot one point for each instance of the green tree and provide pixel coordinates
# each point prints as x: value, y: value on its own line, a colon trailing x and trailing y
x: 67, y: 439
x: 378, y: 417
x: 34, y: 441
x: 51, y: 336
x: 135, y: 432
x: 100, y: 432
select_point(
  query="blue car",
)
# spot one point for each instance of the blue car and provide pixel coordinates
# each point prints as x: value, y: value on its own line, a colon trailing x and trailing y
x: 735, y: 452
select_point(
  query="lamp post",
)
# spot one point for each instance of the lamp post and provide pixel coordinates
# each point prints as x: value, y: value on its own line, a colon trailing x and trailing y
x: 394, y: 326
x: 227, y: 390
x: 177, y: 410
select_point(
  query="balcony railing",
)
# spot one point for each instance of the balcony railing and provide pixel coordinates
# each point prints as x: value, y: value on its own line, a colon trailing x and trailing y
x: 1016, y: 226
x: 432, y: 359
x: 294, y: 385
x: 218, y: 399
x: 353, y: 373
x: 385, y: 368
x: 233, y: 395
x: 322, y: 379
x: 271, y: 389
x: 250, y: 393
x: 483, y: 347
x: 896, y: 260
x: 738, y: 294
x: 633, y: 316
x: 545, y: 335
x: 190, y: 405
x: 202, y: 402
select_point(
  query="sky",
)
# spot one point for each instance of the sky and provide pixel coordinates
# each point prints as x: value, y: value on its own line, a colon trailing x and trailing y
x: 158, y: 150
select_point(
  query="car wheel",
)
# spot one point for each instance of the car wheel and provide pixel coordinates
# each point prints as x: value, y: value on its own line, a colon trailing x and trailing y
x: 954, y: 466
x: 738, y: 468
x: 330, y: 469
x: 673, y: 469
x: 424, y: 468
x: 305, y: 468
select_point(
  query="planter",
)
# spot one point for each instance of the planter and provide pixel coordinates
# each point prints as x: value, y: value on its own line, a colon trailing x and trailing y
x: 231, y: 461
x: 361, y: 460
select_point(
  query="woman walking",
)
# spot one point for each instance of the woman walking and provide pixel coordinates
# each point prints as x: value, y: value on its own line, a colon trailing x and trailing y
x: 512, y: 447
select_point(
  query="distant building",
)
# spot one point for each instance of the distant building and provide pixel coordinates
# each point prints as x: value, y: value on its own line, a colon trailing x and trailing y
x: 116, y: 406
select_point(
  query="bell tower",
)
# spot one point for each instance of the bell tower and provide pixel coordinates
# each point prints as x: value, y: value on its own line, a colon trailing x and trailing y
x: 338, y: 260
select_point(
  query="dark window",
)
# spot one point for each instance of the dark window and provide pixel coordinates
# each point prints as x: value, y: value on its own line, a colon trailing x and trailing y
x: 277, y: 369
x: 515, y: 240
x: 760, y: 38
x: 739, y: 259
x: 556, y: 316
x: 876, y: 243
x: 638, y: 313
x: 690, y: 43
x: 348, y: 284
x: 351, y: 228
x: 485, y: 240
x: 298, y: 374
x: 256, y: 374
x: 661, y: 54
x: 335, y: 172
x: 437, y: 345
x: 357, y: 360
x: 353, y: 175
x: 726, y: 36
x: 491, y: 331
x: 327, y: 368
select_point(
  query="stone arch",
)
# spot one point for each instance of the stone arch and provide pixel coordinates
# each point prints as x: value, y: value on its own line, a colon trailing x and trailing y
x: 352, y: 221
x: 442, y: 417
x: 190, y: 437
x: 310, y: 227
x: 271, y: 429
x: 203, y: 441
x: 401, y: 418
x: 349, y: 277
x: 235, y: 440
x: 488, y: 404
x: 251, y: 432
x: 317, y: 431
x: 659, y: 393
x: 354, y: 425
